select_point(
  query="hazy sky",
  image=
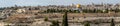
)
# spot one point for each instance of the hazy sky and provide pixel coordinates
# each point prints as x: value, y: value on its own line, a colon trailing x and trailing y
x: 5, y: 3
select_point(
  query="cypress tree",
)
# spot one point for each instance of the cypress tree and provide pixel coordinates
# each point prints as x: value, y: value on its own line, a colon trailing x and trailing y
x: 65, y: 20
x: 112, y: 22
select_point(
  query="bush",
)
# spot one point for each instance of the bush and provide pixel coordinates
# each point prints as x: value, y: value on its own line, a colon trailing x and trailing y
x: 87, y: 24
x: 46, y: 19
x: 55, y: 23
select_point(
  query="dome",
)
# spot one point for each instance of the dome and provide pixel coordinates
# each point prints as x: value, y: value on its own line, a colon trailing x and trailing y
x: 78, y: 5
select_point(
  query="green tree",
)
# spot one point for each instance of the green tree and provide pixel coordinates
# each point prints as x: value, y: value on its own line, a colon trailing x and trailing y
x: 48, y: 10
x: 106, y: 10
x: 116, y: 10
x: 65, y: 20
x: 112, y: 22
x: 46, y: 19
x: 70, y: 11
x: 87, y: 24
x: 94, y: 11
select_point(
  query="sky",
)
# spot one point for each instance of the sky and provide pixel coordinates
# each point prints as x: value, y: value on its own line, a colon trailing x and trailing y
x: 8, y: 3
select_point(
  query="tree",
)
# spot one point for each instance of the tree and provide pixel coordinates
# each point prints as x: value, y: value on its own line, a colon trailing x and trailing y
x: 94, y: 11
x: 112, y: 22
x: 106, y: 10
x: 116, y: 10
x: 70, y: 11
x: 55, y: 23
x: 65, y: 20
x: 87, y: 24
x: 46, y: 19
x: 36, y: 9
x: 103, y: 11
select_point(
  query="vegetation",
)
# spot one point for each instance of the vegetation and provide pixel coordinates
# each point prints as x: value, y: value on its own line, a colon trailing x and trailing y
x: 112, y: 22
x: 46, y: 19
x: 84, y: 10
x: 87, y: 24
x: 65, y: 20
x: 55, y: 23
x: 117, y: 10
x: 2, y: 8
x: 60, y: 11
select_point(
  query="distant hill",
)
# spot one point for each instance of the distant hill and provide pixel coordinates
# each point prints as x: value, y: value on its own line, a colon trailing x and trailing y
x: 1, y: 8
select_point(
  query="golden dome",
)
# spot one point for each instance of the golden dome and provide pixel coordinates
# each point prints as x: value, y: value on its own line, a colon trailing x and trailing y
x: 78, y: 5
